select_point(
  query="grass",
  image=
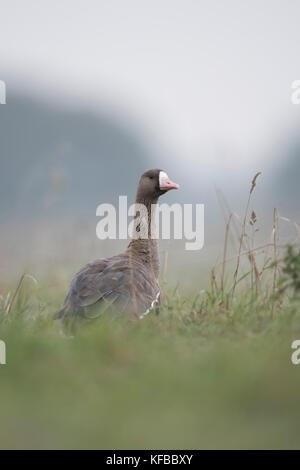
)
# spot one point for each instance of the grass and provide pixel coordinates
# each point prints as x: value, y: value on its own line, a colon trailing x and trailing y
x: 190, y: 378
x: 212, y: 371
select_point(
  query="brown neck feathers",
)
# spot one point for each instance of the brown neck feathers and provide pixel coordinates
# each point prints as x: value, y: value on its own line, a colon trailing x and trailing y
x: 144, y: 244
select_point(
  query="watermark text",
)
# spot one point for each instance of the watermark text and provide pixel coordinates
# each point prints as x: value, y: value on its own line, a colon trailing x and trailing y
x: 2, y: 92
x: 2, y: 353
x: 295, y: 357
x: 295, y: 96
x: 180, y: 222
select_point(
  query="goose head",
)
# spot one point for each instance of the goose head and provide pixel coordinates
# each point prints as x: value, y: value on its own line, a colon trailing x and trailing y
x: 154, y: 183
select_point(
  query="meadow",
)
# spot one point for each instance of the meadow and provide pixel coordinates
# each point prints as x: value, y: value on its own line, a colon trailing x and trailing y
x: 213, y: 370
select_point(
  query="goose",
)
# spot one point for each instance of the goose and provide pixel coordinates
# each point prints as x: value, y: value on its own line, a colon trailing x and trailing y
x: 128, y: 282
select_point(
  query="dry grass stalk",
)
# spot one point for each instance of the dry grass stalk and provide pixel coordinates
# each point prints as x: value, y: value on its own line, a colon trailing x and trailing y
x: 252, y: 260
x: 253, y: 183
x: 213, y: 279
x: 8, y: 309
x: 275, y: 260
x: 295, y: 225
x: 226, y: 210
x: 225, y: 252
x: 246, y: 253
x: 165, y: 270
x: 251, y: 256
x: 235, y: 231
x: 243, y: 233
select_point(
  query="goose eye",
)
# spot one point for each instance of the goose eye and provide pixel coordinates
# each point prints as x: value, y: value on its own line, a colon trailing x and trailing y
x: 151, y: 177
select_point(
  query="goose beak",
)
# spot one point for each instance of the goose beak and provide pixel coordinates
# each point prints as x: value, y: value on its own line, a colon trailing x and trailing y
x: 166, y: 184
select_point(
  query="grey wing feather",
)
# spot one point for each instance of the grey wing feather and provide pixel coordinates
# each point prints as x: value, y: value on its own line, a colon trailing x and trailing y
x: 108, y: 283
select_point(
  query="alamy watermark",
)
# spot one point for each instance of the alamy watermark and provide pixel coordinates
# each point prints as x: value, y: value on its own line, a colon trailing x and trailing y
x: 2, y: 352
x: 295, y: 96
x: 295, y: 357
x: 2, y: 92
x: 180, y: 222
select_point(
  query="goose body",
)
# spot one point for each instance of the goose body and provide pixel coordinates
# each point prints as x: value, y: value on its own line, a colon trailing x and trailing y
x: 127, y: 282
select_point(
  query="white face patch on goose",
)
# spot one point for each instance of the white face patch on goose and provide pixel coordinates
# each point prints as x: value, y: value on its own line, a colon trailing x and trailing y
x: 162, y: 177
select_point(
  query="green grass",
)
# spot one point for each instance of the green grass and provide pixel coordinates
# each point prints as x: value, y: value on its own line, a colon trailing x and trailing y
x: 212, y: 371
x: 201, y: 375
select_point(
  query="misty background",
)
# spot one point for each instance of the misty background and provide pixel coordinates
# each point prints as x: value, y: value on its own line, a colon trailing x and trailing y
x: 100, y: 91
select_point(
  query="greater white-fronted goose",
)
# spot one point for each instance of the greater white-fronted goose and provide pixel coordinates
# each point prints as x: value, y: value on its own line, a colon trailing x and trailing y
x: 127, y: 282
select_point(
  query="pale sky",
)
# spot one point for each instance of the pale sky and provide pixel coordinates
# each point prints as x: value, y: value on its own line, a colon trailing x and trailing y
x: 198, y: 76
